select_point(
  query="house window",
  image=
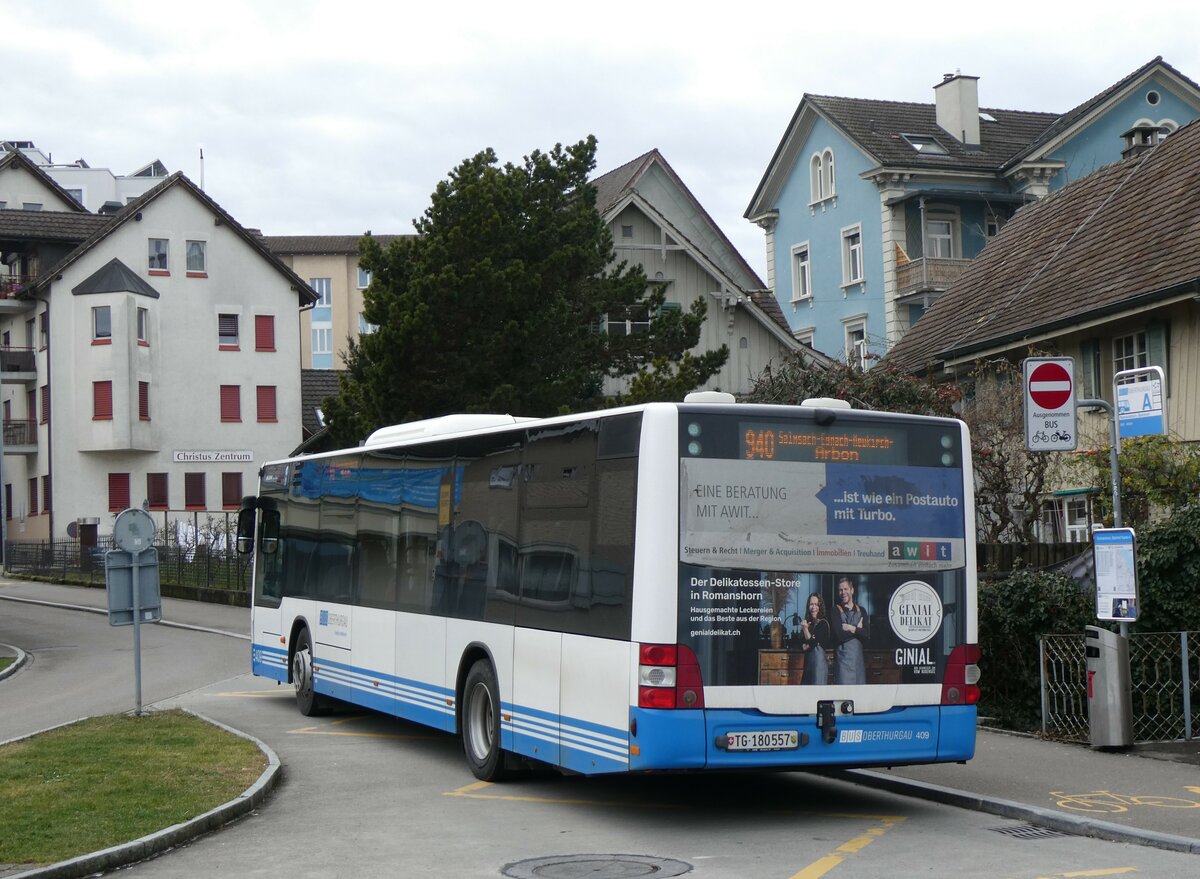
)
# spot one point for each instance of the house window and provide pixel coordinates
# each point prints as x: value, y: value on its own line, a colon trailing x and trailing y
x: 801, y: 273
x: 31, y: 205
x: 156, y: 491
x: 265, y: 399
x: 322, y: 340
x: 118, y: 492
x: 626, y: 231
x: 143, y: 326
x: 76, y: 194
x: 197, y: 259
x: 925, y: 145
x: 856, y: 344
x: 323, y: 287
x: 231, y: 491
x: 991, y: 225
x: 45, y: 404
x: 33, y: 496
x: 30, y: 406
x: 816, y: 180
x: 159, y: 250
x: 227, y: 332
x: 43, y: 330
x: 827, y: 173
x: 1066, y: 519
x: 852, y: 258
x: 364, y: 328
x: 8, y: 500
x: 364, y: 278
x: 193, y: 491
x: 144, y: 401
x: 47, y: 495
x: 102, y: 401
x: 231, y: 403
x: 264, y: 332
x: 805, y: 336
x: 635, y: 319
x: 30, y: 333
x: 939, y: 239
x: 101, y: 325
x: 1130, y: 352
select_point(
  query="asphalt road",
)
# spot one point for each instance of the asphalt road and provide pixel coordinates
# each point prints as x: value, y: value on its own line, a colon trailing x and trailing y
x: 364, y: 795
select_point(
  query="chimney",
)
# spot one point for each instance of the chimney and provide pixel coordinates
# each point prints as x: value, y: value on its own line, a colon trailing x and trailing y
x: 958, y: 107
x: 1141, y: 138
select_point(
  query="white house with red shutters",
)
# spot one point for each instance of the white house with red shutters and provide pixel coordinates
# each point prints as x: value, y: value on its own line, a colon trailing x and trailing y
x: 148, y: 357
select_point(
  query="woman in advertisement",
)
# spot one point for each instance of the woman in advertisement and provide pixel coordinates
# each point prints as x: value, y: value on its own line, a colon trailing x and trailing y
x: 815, y: 638
x: 850, y: 633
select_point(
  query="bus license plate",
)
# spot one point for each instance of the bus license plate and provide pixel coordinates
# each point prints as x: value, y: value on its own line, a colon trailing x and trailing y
x: 758, y: 740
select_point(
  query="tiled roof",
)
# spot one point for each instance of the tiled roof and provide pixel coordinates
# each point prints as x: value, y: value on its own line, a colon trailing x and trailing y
x: 611, y: 187
x: 1125, y: 235
x: 878, y: 127
x: 315, y: 386
x: 321, y: 245
x: 50, y: 225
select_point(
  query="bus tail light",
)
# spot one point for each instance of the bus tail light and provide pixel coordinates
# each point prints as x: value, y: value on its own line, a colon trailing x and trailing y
x: 669, y: 677
x: 960, y: 686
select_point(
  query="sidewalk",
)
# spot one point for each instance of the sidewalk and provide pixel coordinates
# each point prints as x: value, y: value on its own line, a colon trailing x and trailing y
x: 1148, y: 794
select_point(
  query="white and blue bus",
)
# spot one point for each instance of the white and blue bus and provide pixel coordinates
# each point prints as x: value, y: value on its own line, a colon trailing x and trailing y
x: 673, y: 586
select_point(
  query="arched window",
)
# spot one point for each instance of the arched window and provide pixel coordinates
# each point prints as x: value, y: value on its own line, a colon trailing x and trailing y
x: 817, y: 179
x: 827, y: 160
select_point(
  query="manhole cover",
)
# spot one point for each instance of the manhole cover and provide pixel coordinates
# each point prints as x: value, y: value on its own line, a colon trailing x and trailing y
x: 1029, y: 831
x: 595, y: 867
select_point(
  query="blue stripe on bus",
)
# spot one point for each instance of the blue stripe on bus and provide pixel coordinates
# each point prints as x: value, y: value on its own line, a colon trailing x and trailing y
x: 269, y: 662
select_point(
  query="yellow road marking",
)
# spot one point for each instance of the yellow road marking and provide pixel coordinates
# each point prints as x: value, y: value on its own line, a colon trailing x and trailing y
x: 325, y: 731
x: 259, y: 694
x: 1112, y: 871
x: 823, y: 865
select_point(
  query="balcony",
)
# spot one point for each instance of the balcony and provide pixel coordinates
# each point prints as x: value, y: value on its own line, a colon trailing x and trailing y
x: 17, y: 365
x: 20, y: 436
x: 10, y: 291
x: 928, y: 275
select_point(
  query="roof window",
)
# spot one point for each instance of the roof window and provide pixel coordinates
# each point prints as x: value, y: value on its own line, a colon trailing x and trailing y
x: 925, y: 145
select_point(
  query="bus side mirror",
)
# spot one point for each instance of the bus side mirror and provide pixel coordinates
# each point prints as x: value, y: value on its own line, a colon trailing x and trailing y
x: 268, y: 539
x: 245, y: 530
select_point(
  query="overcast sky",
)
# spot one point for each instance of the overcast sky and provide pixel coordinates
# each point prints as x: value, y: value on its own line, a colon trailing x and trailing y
x: 339, y: 117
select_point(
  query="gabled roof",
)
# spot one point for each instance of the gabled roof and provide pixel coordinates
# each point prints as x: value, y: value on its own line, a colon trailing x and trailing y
x: 133, y: 212
x: 321, y: 245
x: 114, y: 277
x: 315, y: 386
x: 14, y: 158
x: 1072, y: 117
x: 18, y: 225
x: 1125, y: 236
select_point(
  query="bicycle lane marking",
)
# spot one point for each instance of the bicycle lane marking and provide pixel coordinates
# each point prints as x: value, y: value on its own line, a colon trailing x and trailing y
x: 1106, y: 802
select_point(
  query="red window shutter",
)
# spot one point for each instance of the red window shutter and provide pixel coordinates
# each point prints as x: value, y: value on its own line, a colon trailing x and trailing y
x: 144, y: 401
x: 118, y: 492
x: 266, y: 403
x: 45, y: 404
x: 30, y: 406
x: 46, y: 494
x: 264, y: 332
x: 33, y: 496
x: 156, y: 490
x: 231, y: 403
x: 102, y: 404
x: 193, y: 491
x: 231, y: 491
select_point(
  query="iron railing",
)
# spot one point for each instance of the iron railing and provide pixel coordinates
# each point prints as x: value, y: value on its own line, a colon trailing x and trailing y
x: 1164, y: 670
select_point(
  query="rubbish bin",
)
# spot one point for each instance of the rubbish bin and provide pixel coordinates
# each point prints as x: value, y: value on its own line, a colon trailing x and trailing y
x: 1110, y: 703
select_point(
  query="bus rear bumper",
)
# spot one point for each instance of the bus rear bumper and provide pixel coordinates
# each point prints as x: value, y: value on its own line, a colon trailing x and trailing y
x: 707, y: 739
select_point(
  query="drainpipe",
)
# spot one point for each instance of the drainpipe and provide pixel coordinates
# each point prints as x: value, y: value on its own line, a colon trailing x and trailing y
x: 49, y: 420
x: 924, y: 255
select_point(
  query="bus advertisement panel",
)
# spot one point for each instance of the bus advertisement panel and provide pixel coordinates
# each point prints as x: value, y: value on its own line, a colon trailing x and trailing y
x: 821, y: 555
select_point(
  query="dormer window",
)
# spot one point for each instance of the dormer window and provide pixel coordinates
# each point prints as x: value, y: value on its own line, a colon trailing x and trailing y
x: 925, y: 145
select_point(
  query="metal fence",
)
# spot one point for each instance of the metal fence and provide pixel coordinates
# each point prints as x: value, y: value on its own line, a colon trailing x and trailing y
x: 1164, y: 670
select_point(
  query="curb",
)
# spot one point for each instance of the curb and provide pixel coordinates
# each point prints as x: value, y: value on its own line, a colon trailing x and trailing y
x: 1048, y: 818
x: 155, y: 843
x: 100, y: 610
x: 21, y: 659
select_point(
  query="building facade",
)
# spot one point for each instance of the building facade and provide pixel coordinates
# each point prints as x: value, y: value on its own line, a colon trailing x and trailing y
x: 150, y: 357
x: 95, y: 189
x: 873, y: 208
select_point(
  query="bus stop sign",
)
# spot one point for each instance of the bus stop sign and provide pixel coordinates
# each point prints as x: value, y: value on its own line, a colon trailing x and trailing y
x: 1050, y: 404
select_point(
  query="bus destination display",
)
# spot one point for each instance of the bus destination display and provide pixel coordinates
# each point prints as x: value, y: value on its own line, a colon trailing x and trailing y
x: 763, y: 441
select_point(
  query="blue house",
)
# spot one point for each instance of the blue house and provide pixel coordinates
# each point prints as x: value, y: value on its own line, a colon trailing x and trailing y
x: 872, y: 208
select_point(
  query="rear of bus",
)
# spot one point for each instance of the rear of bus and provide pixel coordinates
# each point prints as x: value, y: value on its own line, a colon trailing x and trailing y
x: 814, y: 600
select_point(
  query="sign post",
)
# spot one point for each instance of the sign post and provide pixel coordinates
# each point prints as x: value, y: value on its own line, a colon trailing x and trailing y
x: 131, y: 580
x: 1050, y: 404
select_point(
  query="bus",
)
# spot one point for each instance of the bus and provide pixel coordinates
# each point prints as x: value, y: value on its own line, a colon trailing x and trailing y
x: 671, y: 586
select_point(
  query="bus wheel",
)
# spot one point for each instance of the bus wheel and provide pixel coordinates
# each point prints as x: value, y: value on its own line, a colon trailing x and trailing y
x: 481, y: 723
x: 302, y: 676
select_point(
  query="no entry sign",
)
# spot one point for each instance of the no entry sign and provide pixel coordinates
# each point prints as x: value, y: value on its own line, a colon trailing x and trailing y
x: 1050, y: 404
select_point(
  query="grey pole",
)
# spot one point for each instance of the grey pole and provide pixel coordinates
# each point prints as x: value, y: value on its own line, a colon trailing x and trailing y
x: 1114, y: 455
x: 137, y: 636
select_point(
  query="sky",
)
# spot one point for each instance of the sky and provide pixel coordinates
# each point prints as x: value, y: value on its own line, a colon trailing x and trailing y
x: 326, y: 118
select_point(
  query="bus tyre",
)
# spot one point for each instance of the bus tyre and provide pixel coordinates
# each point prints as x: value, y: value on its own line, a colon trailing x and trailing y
x: 481, y: 723
x: 302, y: 676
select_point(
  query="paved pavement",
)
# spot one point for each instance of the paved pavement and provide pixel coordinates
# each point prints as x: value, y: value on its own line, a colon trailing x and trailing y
x: 1148, y: 794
